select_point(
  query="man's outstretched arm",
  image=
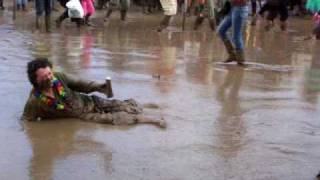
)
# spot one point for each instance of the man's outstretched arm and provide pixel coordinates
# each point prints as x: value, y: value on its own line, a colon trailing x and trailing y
x: 81, y: 85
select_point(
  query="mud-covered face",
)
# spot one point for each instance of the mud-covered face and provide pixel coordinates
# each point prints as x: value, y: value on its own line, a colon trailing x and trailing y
x: 44, y: 78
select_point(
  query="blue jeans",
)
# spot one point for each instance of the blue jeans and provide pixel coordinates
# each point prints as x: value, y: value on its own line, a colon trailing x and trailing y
x: 235, y: 19
x: 21, y: 2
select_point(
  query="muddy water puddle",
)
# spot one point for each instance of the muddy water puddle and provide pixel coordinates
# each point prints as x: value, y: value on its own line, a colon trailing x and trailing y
x: 224, y: 121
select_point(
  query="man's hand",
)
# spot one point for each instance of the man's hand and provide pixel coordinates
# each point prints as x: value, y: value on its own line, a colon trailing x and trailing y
x: 106, y: 89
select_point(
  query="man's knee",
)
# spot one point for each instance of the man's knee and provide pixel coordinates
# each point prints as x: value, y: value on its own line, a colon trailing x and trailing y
x: 123, y: 118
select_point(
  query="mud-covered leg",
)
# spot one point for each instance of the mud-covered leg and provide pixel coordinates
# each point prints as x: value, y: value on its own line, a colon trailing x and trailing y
x: 124, y: 118
x: 145, y: 120
x: 106, y: 118
x: 129, y: 106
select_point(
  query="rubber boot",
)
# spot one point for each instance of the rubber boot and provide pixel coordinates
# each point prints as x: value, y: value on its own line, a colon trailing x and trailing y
x: 123, y: 14
x: 86, y: 20
x: 240, y: 58
x: 38, y: 22
x: 47, y: 22
x: 198, y: 22
x: 283, y: 25
x: 212, y: 24
x: 231, y: 51
x: 164, y: 23
x: 1, y: 5
x: 63, y: 16
x: 23, y: 7
x: 109, y: 12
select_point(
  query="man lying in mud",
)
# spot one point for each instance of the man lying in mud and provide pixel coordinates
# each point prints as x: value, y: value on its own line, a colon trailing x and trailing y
x: 58, y: 95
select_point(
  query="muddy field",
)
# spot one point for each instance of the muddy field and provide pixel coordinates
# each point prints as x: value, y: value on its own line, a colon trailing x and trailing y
x: 260, y: 122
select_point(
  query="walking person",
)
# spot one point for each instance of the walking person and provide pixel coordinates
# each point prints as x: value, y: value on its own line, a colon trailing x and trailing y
x: 65, y: 15
x: 235, y: 20
x: 170, y: 9
x: 88, y: 9
x: 314, y: 6
x: 43, y: 6
x: 206, y: 9
x: 275, y: 8
x: 122, y: 5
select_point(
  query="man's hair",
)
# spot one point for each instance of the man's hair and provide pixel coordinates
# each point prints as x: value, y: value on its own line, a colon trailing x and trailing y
x: 33, y: 66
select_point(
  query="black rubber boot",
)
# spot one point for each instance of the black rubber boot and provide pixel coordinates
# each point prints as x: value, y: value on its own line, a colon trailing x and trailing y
x: 240, y: 58
x: 38, y: 22
x: 1, y: 5
x: 231, y: 51
x: 198, y: 22
x: 164, y: 23
x: 123, y: 14
x: 48, y: 24
x: 87, y: 20
x: 61, y: 18
x: 109, y: 12
x: 212, y: 24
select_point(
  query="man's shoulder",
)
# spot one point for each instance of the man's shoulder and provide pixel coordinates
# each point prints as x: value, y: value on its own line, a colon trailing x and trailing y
x: 32, y: 100
x: 58, y: 73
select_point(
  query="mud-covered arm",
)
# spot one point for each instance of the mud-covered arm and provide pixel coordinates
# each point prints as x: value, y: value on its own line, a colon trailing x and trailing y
x: 81, y: 85
x: 30, y: 111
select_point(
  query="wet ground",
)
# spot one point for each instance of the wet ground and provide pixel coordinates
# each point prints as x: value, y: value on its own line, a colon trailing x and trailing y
x: 224, y: 122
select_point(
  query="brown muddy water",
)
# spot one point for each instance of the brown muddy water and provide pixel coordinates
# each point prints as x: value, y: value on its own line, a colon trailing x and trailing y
x: 260, y: 122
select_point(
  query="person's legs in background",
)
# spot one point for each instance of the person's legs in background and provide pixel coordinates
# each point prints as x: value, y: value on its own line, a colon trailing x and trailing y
x: 222, y: 29
x: 254, y: 12
x: 1, y: 5
x: 47, y: 8
x: 239, y: 17
x: 39, y: 5
x: 284, y: 14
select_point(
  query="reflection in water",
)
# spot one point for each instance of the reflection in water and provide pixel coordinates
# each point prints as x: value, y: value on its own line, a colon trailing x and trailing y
x: 311, y: 86
x: 230, y: 127
x: 183, y: 60
x: 42, y: 47
x: 166, y: 66
x: 53, y: 142
x: 86, y: 52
